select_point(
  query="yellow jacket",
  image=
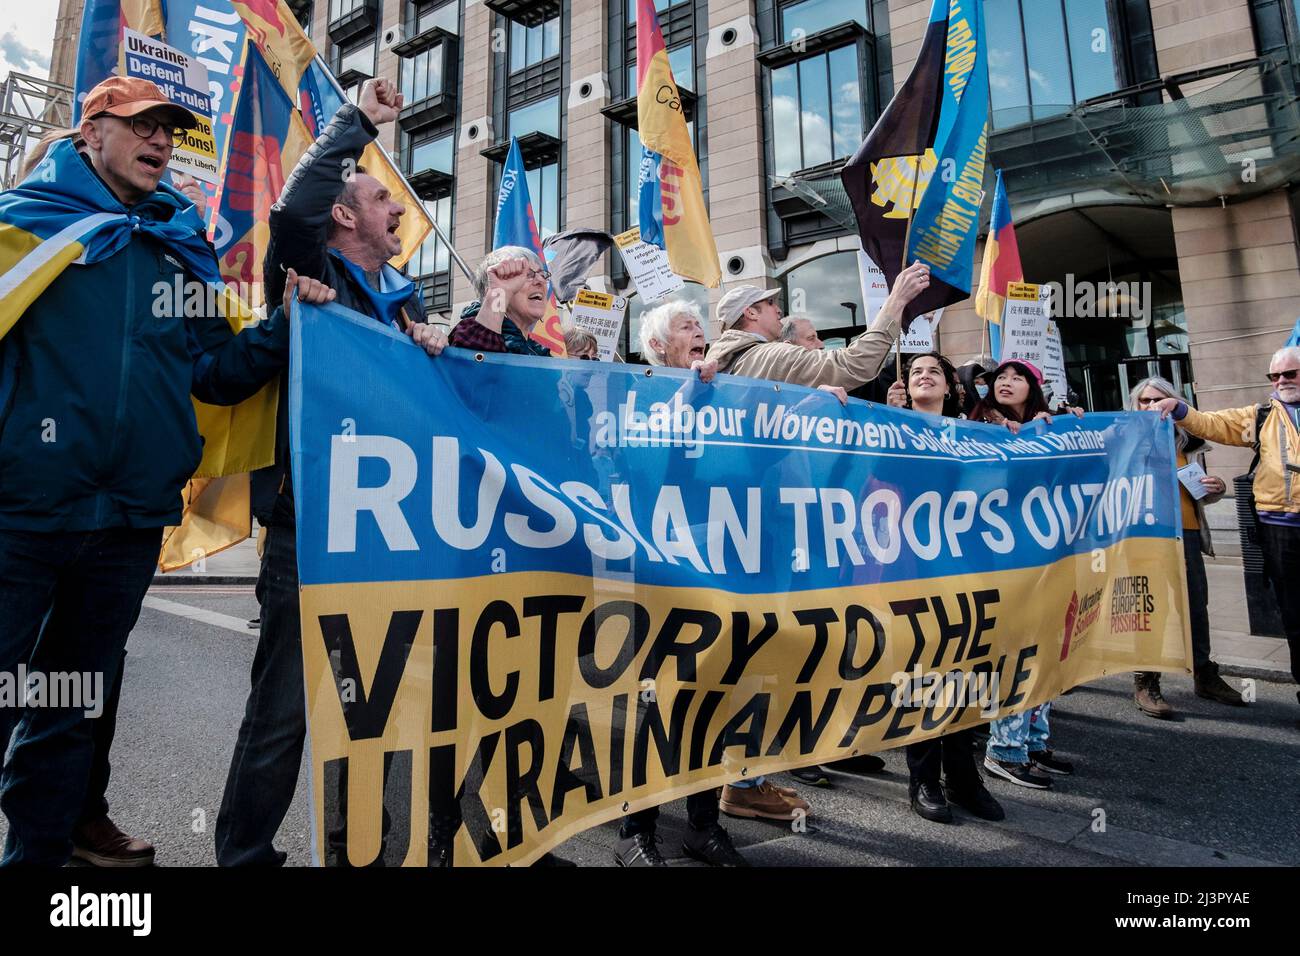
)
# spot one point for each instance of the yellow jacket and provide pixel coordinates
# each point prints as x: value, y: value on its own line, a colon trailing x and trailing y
x: 1276, y: 488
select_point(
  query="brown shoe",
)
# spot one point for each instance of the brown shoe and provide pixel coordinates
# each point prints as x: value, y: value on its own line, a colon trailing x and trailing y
x: 101, y: 843
x: 1147, y: 696
x: 1213, y: 687
x: 763, y: 801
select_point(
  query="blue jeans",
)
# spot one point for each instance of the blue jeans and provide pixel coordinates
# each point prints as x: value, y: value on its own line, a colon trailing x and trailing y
x: 68, y: 601
x: 1012, y: 739
x: 264, y: 768
x: 746, y: 784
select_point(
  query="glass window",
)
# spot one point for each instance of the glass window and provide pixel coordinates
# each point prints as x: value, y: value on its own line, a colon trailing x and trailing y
x: 338, y: 8
x: 1091, y: 60
x: 1008, y: 81
x: 518, y: 45
x: 360, y: 57
x: 544, y: 116
x: 432, y: 154
x: 532, y: 45
x: 785, y: 119
x: 446, y: 16
x: 660, y: 6
x: 432, y: 256
x: 810, y: 16
x: 544, y: 192
x: 819, y: 98
x: 1049, y: 66
x: 1047, y: 55
x: 421, y: 74
x: 846, y: 101
x: 827, y: 289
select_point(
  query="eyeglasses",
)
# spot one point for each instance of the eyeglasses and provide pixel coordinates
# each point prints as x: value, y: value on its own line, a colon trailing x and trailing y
x: 1144, y: 400
x: 539, y: 274
x: 1288, y: 374
x: 146, y: 126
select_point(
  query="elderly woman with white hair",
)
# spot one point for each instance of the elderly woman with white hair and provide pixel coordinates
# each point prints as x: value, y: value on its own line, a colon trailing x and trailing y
x: 510, y: 284
x: 1196, y: 541
x: 672, y: 335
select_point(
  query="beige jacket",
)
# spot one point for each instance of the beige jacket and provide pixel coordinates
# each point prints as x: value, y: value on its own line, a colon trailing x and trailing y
x: 743, y: 353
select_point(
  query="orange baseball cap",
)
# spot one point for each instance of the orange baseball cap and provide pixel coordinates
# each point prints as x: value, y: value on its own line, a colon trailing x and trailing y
x: 128, y: 96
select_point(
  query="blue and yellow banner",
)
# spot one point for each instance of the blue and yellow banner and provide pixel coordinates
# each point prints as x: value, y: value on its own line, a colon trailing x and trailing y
x: 548, y: 593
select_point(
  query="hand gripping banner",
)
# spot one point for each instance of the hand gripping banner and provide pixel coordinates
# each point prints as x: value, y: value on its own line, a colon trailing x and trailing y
x: 539, y: 594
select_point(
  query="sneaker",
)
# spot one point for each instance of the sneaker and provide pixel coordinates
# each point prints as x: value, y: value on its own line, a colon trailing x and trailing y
x: 928, y: 802
x: 863, y: 764
x: 1020, y: 774
x: 101, y: 843
x: 1147, y: 696
x: 763, y: 802
x: 640, y: 849
x: 712, y: 846
x: 1211, y: 686
x: 976, y: 801
x: 1043, y: 760
x: 814, y: 776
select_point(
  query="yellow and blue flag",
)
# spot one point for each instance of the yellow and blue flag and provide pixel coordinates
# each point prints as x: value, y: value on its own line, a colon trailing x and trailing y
x: 672, y: 210
x: 61, y: 215
x: 937, y: 122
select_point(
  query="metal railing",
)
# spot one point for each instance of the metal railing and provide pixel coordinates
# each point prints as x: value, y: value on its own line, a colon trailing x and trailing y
x: 29, y: 108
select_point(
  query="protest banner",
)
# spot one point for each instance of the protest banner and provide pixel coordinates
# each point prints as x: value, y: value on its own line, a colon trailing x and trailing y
x: 184, y: 81
x: 551, y: 593
x: 648, y: 266
x: 601, y: 315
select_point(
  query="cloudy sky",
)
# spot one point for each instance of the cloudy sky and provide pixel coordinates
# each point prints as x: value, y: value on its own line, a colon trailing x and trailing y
x: 27, y: 36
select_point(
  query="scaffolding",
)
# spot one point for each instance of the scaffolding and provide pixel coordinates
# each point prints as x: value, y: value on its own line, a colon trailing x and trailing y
x: 29, y: 108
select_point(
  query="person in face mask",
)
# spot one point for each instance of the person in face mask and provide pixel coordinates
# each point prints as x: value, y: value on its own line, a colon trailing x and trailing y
x: 971, y: 377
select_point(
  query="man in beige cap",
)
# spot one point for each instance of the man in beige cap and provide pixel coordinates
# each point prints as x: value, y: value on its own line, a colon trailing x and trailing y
x: 751, y: 345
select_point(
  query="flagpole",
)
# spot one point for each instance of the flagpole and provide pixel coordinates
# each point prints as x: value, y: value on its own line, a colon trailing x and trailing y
x: 907, y: 238
x: 469, y: 273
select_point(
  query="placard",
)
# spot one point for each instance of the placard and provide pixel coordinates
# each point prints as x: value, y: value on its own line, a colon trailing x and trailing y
x: 600, y: 315
x: 648, y: 266
x: 184, y: 81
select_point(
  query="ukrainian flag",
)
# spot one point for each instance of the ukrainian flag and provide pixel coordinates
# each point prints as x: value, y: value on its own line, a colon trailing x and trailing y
x: 1001, y: 267
x: 673, y: 213
x: 60, y: 216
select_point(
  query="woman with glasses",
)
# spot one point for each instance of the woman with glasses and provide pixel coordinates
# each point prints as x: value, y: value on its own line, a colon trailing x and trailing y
x: 1196, y: 542
x: 512, y: 285
x: 581, y: 345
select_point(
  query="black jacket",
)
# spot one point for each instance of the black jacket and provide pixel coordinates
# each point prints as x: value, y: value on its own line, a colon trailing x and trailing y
x: 299, y: 229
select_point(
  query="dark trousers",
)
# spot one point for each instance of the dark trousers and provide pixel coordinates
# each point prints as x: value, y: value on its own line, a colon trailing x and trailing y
x: 953, y: 753
x: 1198, y: 598
x: 68, y: 602
x: 268, y: 752
x: 1281, y: 547
x: 701, y: 813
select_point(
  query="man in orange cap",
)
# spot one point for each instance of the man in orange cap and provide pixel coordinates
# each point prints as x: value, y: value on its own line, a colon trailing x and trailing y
x: 98, y: 435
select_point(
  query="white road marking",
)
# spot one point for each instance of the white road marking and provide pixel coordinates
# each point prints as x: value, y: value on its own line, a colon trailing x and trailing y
x: 202, y: 615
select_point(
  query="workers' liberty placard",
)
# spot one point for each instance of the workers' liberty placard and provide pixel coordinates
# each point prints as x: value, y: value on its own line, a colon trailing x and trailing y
x: 184, y: 81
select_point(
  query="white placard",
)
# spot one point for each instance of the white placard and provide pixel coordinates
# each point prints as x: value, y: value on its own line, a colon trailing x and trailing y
x: 1190, y: 475
x: 602, y: 316
x: 184, y: 81
x: 875, y: 290
x: 1029, y: 334
x: 919, y: 336
x: 648, y: 265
